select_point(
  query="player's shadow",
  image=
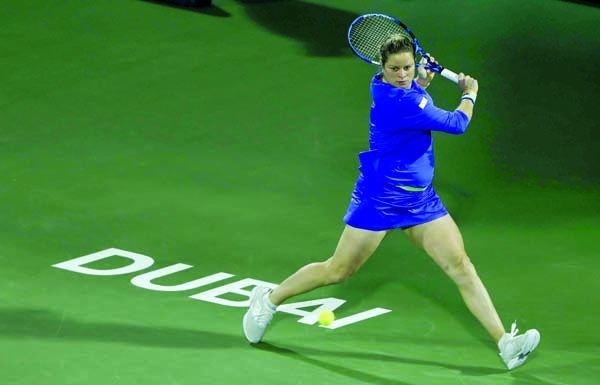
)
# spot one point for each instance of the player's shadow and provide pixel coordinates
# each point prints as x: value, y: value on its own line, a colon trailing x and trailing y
x: 44, y: 324
x: 345, y: 371
x: 306, y: 355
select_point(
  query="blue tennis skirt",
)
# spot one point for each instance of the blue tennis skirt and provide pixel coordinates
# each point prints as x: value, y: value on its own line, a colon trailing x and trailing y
x: 381, y: 206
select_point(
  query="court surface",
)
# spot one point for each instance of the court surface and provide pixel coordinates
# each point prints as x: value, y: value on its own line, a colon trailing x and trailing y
x: 225, y: 140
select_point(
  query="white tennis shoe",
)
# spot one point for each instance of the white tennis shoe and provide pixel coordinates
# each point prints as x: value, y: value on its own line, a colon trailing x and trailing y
x: 259, y: 314
x: 515, y: 349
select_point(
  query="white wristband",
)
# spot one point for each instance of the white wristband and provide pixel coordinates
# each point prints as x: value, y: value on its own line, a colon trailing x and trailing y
x: 470, y: 97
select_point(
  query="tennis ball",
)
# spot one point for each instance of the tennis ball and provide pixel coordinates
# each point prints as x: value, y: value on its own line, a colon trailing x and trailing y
x: 326, y: 317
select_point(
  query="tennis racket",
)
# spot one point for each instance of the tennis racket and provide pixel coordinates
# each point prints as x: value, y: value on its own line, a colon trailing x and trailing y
x: 368, y: 32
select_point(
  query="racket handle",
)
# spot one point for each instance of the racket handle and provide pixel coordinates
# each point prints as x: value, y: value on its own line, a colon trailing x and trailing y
x: 449, y: 75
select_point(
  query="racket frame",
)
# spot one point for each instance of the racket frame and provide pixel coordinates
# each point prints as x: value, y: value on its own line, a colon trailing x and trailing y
x: 448, y: 74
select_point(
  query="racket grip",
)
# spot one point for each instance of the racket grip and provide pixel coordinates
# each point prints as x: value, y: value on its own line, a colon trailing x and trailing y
x: 449, y: 75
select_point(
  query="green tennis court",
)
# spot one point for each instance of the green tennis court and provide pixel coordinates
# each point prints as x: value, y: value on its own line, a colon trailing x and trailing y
x: 220, y: 144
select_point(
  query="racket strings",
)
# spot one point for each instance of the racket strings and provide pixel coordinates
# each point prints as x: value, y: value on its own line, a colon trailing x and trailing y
x: 368, y: 35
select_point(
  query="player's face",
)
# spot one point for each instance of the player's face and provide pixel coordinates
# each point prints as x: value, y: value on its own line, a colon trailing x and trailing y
x: 399, y: 70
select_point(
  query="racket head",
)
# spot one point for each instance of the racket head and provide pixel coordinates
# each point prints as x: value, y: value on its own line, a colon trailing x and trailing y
x: 368, y: 32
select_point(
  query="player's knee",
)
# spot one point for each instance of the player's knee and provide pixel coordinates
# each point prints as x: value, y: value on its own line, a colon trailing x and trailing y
x: 460, y: 269
x: 339, y: 273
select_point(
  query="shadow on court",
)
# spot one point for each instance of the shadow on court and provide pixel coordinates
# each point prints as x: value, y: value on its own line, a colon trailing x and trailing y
x: 341, y: 370
x: 304, y: 355
x: 591, y: 3
x: 211, y: 10
x: 321, y: 29
x: 44, y: 324
x: 36, y: 323
x: 548, y: 129
x: 464, y: 370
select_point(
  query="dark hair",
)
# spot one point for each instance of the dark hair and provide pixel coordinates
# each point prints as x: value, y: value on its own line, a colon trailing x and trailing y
x: 395, y: 44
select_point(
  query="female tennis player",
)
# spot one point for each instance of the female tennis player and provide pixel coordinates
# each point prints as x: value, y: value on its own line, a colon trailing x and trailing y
x: 394, y: 191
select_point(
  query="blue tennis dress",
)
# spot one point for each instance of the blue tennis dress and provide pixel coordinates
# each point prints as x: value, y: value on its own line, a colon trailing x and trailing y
x: 394, y: 187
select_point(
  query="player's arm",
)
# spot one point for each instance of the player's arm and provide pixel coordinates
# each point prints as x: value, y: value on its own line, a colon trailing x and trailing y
x: 469, y: 87
x: 419, y: 112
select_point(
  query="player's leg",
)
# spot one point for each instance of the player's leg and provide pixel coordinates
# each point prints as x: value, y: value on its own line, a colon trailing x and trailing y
x: 354, y: 248
x: 441, y: 239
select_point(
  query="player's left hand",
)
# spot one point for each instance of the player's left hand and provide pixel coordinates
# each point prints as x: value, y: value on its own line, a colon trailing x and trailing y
x: 425, y: 76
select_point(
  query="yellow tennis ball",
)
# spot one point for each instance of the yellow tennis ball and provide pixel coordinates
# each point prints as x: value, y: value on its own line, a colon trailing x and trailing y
x: 326, y: 317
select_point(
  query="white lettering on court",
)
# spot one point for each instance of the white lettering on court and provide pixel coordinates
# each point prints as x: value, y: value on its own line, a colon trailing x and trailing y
x: 140, y: 262
x: 145, y: 280
x: 241, y: 287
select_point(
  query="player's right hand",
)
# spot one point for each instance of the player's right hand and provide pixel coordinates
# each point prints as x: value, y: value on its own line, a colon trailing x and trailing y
x: 468, y: 84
